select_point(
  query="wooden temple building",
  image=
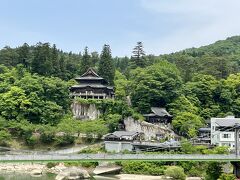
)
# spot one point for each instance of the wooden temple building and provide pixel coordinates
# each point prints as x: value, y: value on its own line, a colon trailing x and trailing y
x: 91, y: 85
x: 158, y: 116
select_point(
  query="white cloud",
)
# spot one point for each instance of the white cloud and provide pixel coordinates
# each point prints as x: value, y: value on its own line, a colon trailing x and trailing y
x: 201, y: 22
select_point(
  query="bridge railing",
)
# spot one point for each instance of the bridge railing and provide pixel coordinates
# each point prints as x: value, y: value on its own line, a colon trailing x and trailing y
x: 106, y: 157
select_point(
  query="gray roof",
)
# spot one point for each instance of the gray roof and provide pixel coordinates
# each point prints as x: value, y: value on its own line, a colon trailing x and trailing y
x: 149, y: 115
x: 205, y: 129
x: 119, y: 134
x: 91, y: 85
x: 160, y: 111
x: 89, y: 78
x: 228, y: 121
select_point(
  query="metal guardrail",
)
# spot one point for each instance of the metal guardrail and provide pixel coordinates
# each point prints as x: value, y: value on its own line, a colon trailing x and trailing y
x: 116, y: 157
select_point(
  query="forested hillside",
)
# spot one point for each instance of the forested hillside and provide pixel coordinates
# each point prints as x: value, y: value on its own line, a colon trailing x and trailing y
x: 194, y: 85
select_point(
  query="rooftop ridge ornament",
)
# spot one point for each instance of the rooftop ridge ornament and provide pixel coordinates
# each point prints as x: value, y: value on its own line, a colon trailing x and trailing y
x: 90, y: 72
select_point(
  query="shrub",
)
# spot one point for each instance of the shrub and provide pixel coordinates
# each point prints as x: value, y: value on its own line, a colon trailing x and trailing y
x: 51, y: 164
x: 47, y: 138
x: 213, y: 171
x: 83, y: 164
x: 65, y: 140
x: 32, y: 140
x: 5, y: 137
x: 140, y: 167
x: 175, y: 172
x: 225, y: 176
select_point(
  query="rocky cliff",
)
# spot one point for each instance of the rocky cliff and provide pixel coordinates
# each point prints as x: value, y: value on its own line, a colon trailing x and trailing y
x: 85, y: 111
x: 151, y: 131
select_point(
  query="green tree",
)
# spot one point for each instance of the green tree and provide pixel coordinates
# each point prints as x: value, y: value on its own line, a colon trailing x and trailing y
x: 41, y: 62
x: 86, y: 61
x: 156, y: 85
x: 8, y: 56
x: 14, y: 103
x: 214, y: 170
x: 183, y: 104
x: 225, y: 176
x: 106, y: 66
x: 5, y: 137
x: 55, y: 61
x: 137, y: 59
x: 121, y: 86
x: 175, y: 172
x: 24, y: 56
x: 187, y: 124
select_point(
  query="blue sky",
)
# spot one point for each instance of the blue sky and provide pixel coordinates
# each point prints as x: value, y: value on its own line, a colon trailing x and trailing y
x: 164, y: 26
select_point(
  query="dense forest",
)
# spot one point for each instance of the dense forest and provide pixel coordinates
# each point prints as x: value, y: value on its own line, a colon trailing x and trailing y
x: 194, y: 85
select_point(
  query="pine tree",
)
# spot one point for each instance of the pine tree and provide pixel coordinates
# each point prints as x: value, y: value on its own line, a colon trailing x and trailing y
x: 94, y: 58
x: 106, y: 65
x: 137, y: 59
x: 86, y: 61
x: 24, y: 55
x: 41, y: 62
x: 55, y: 61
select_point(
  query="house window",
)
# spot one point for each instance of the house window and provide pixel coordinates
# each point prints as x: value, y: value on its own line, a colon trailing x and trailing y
x: 226, y: 136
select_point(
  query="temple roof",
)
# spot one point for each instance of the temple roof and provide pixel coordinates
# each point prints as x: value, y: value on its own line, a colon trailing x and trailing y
x: 92, y: 85
x: 90, y: 74
x: 160, y: 111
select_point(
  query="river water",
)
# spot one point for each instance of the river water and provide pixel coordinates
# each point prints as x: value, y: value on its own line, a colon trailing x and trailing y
x: 21, y: 176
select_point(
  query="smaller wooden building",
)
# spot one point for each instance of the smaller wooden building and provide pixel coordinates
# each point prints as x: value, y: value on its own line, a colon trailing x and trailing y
x: 158, y: 116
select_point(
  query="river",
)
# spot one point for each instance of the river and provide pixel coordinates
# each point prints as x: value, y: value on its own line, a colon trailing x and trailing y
x: 22, y: 176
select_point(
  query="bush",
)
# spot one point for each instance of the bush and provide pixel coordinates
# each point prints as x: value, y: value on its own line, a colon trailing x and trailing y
x: 32, y: 140
x: 140, y: 167
x: 225, y: 176
x: 175, y: 172
x: 93, y: 149
x: 47, y: 138
x: 82, y: 164
x: 5, y: 137
x: 51, y: 164
x: 193, y: 168
x: 65, y: 140
x: 213, y: 171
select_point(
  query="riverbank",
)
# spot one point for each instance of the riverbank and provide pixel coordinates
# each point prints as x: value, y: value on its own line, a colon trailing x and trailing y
x: 42, y: 169
x: 23, y: 167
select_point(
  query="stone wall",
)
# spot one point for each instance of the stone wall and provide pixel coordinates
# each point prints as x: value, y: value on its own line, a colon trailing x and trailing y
x: 85, y: 111
x: 150, y: 130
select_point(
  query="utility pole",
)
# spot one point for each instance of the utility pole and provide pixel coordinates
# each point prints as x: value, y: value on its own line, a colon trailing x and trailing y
x: 236, y: 167
x: 236, y: 128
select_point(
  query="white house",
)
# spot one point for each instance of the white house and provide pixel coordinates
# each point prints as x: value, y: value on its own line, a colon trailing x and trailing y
x: 121, y: 140
x: 222, y: 131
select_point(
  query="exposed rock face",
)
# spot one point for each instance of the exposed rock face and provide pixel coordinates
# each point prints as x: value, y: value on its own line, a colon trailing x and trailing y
x: 107, y: 169
x: 85, y: 111
x: 72, y: 173
x: 36, y: 172
x: 23, y: 167
x: 150, y: 130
